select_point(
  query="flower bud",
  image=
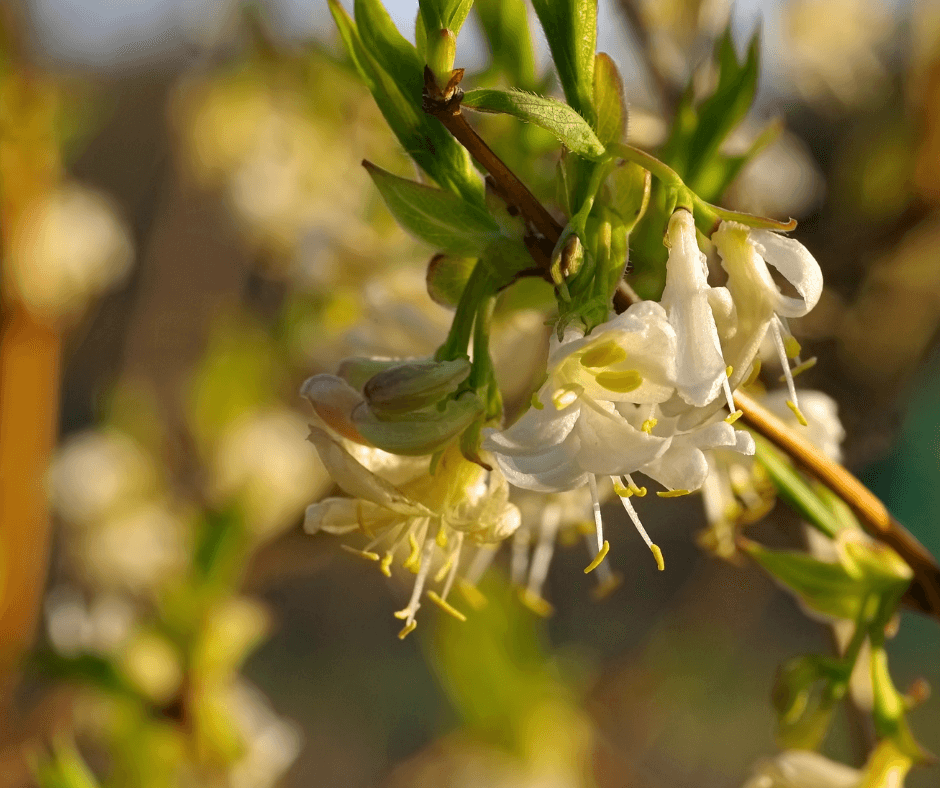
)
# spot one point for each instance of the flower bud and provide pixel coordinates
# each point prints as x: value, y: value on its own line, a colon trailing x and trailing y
x: 412, y: 386
x: 419, y: 432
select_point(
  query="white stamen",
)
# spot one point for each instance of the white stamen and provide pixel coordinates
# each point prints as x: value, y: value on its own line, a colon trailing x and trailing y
x: 729, y: 398
x: 636, y: 521
x: 784, y: 361
x: 482, y: 561
x: 519, y: 562
x: 413, y: 604
x: 596, y: 506
x: 542, y: 556
x: 449, y: 583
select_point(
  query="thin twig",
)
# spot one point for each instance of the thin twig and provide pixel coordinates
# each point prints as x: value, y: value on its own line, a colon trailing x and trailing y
x: 924, y: 593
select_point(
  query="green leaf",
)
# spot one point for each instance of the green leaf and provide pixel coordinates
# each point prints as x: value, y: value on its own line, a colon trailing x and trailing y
x: 65, y: 768
x: 391, y: 50
x: 438, y: 217
x: 91, y: 670
x: 446, y: 278
x: 505, y: 25
x: 439, y: 14
x: 727, y: 106
x: 568, y: 127
x: 571, y: 29
x: 609, y: 101
x: 824, y: 587
x: 422, y: 137
x: 804, y: 710
x: 795, y: 491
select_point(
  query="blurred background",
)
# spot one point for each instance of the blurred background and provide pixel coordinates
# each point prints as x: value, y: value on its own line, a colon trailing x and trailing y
x: 188, y: 235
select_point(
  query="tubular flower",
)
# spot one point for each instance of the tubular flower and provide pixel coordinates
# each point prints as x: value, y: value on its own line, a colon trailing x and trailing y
x: 597, y: 415
x: 759, y: 305
x: 422, y: 520
x: 687, y: 298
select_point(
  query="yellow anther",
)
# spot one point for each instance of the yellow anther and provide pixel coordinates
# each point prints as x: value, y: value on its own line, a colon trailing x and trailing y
x: 444, y: 605
x: 445, y: 568
x: 403, y: 614
x: 620, y: 382
x: 386, y: 566
x: 800, y: 368
x: 472, y: 594
x: 797, y: 412
x: 601, y: 555
x: 639, y: 492
x: 536, y: 402
x: 607, y: 586
x: 368, y: 556
x: 413, y: 562
x: 407, y: 630
x: 729, y: 370
x: 658, y: 555
x: 752, y: 375
x: 604, y: 355
x: 673, y: 493
x: 792, y: 347
x: 535, y: 603
x: 733, y: 417
x: 623, y: 492
x: 566, y: 395
x: 441, y: 538
x: 648, y: 426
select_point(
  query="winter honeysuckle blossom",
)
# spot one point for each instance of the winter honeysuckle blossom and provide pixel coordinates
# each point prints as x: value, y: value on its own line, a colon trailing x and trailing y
x: 409, y: 512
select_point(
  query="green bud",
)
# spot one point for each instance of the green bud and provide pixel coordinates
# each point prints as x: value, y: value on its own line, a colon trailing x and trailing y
x: 403, y: 388
x: 882, y: 568
x: 419, y: 432
x: 358, y: 370
x: 442, y: 49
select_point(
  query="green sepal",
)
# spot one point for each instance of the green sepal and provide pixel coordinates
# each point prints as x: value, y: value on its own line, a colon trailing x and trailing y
x: 556, y: 117
x: 419, y: 432
x: 423, y: 137
x: 571, y: 29
x: 609, y: 100
x: 628, y: 188
x: 413, y: 385
x: 438, y: 217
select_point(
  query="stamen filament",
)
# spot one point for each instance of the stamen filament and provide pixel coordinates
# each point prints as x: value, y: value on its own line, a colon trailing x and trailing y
x: 657, y: 553
x: 596, y: 506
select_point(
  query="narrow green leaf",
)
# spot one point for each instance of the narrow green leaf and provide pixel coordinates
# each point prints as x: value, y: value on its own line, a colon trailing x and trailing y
x: 438, y: 217
x: 438, y: 14
x: 446, y: 278
x: 568, y: 127
x: 391, y: 50
x: 505, y: 25
x: 795, y: 491
x: 727, y: 106
x: 422, y: 137
x: 824, y: 587
x: 609, y: 101
x: 571, y: 29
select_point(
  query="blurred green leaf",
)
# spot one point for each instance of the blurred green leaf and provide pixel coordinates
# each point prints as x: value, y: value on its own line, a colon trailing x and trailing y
x: 609, y: 101
x: 889, y: 710
x: 422, y: 137
x: 220, y: 547
x: 571, y: 29
x: 824, y: 587
x: 794, y: 490
x: 804, y: 709
x: 505, y: 25
x: 65, y: 768
x: 568, y: 127
x: 438, y: 217
x: 446, y: 278
x: 91, y: 670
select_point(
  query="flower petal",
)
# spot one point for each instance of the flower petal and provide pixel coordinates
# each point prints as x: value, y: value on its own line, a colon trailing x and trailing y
x: 798, y: 267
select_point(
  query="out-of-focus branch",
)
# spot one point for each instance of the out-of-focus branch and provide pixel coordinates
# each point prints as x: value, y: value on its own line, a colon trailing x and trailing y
x: 665, y: 90
x: 924, y: 593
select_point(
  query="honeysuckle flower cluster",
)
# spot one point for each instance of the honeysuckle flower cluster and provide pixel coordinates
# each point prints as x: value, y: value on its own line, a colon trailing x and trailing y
x: 643, y: 393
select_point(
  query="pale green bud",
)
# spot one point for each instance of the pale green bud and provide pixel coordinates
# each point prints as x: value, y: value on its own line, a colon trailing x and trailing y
x: 412, y: 386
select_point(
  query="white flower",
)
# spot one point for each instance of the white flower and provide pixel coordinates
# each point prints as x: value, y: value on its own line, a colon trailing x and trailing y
x: 428, y: 516
x: 759, y: 304
x: 803, y: 769
x: 700, y: 367
x: 597, y: 415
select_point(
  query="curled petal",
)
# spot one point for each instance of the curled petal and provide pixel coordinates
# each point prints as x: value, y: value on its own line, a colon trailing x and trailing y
x: 334, y: 400
x: 612, y: 446
x: 797, y: 266
x: 553, y: 469
x: 534, y: 432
